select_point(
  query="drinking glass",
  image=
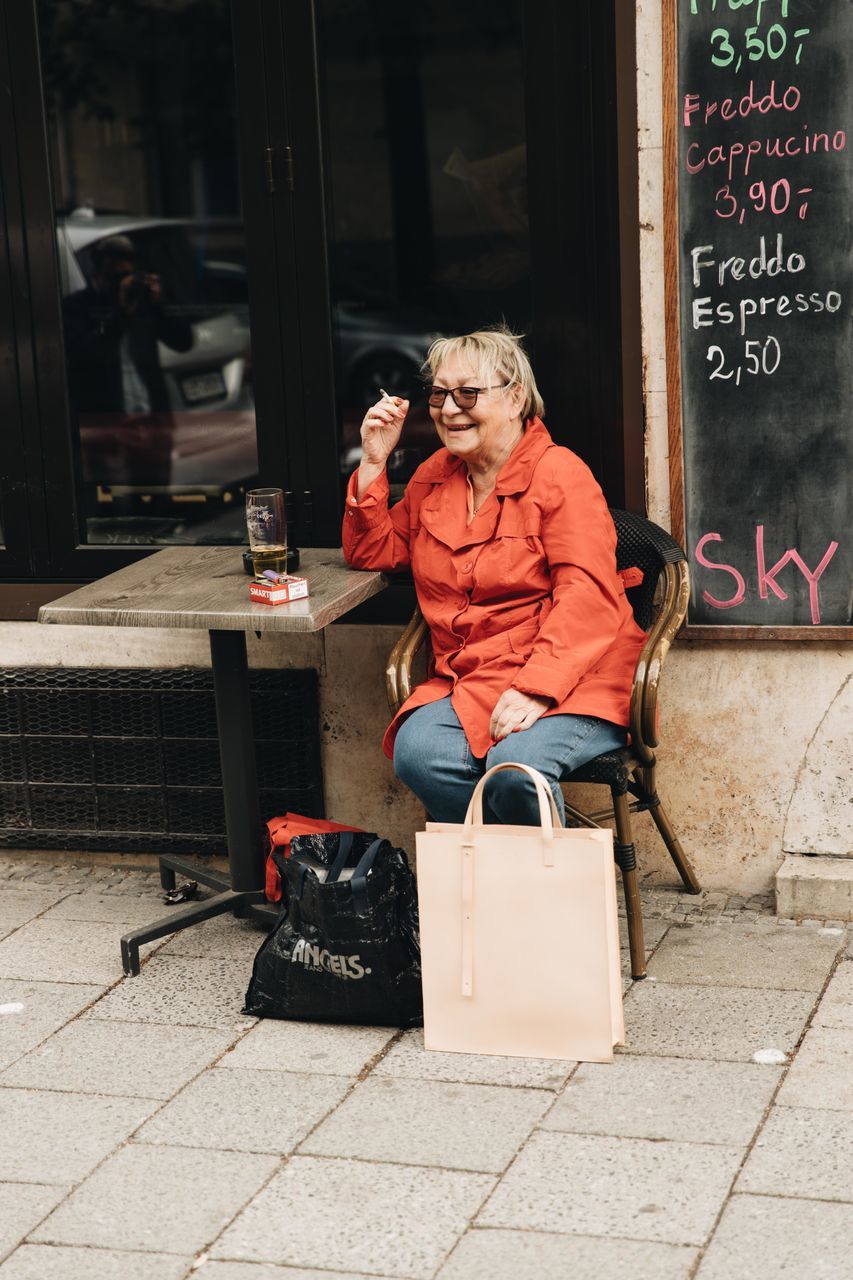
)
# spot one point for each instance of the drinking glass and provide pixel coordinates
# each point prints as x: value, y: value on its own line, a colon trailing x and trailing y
x: 267, y: 530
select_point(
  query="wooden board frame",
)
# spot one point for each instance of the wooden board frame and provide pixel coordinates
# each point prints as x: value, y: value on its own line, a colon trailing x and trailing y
x: 672, y: 305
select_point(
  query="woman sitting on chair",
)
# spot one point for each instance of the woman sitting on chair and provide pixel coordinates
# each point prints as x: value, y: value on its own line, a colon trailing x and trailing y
x: 512, y: 550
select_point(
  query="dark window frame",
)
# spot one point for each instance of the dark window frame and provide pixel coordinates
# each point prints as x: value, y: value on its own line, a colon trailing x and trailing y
x: 21, y: 490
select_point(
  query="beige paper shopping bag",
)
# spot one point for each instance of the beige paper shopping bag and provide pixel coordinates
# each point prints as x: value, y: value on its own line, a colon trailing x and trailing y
x: 519, y: 936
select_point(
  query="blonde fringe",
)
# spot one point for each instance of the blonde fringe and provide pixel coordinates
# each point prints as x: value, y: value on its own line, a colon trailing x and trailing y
x: 496, y: 355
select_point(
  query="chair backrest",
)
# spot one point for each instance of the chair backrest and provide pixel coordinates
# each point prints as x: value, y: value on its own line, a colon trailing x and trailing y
x: 644, y: 545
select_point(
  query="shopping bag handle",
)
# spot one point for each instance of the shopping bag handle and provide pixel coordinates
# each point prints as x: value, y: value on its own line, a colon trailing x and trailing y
x: 360, y: 902
x: 474, y: 816
x: 340, y: 861
x: 358, y: 883
x: 341, y: 857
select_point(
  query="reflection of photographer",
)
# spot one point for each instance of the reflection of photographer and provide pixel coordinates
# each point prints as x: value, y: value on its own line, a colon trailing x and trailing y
x: 112, y: 328
x: 136, y: 290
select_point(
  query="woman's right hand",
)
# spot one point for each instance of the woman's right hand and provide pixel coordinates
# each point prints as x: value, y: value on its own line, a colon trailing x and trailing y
x: 381, y: 429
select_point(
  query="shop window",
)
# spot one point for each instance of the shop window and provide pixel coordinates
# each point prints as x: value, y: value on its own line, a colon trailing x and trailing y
x: 427, y: 186
x: 141, y: 117
x: 249, y: 216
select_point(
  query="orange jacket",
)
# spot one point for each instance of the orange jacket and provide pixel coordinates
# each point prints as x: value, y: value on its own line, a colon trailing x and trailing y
x: 526, y: 596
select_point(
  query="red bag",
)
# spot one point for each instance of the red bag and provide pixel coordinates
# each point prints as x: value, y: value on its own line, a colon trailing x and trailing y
x: 282, y: 830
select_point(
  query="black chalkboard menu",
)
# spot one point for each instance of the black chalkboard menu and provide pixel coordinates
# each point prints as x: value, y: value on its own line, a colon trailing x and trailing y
x: 761, y: 92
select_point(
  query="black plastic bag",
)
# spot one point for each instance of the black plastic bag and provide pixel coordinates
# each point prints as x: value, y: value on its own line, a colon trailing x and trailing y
x: 343, y: 949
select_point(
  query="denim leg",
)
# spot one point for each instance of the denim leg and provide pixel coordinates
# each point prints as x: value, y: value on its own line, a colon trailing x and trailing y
x: 555, y: 745
x: 432, y: 757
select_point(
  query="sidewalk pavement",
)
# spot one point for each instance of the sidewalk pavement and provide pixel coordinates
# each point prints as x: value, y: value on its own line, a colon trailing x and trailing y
x: 150, y: 1131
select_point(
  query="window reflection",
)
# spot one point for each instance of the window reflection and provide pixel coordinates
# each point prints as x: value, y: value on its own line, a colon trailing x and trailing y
x: 428, y: 179
x: 141, y: 114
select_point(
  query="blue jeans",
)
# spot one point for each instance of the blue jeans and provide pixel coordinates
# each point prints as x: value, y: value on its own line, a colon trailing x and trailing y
x: 433, y: 758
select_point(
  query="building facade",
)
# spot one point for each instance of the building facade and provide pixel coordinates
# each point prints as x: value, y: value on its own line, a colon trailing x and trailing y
x: 227, y: 226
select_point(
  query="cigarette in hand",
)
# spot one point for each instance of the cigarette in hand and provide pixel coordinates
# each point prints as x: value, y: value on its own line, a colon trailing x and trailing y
x: 387, y: 395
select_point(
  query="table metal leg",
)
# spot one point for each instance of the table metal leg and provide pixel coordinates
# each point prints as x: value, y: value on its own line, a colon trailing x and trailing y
x: 180, y: 918
x: 242, y: 890
x: 193, y: 871
x: 237, y: 757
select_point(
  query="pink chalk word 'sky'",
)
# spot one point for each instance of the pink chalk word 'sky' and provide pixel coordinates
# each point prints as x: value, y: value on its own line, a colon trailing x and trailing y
x: 766, y: 577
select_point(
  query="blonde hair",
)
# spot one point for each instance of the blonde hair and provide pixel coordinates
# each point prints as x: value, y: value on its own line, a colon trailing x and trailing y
x: 497, y: 355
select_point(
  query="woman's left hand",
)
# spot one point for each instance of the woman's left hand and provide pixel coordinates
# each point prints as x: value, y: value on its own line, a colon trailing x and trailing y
x: 514, y: 711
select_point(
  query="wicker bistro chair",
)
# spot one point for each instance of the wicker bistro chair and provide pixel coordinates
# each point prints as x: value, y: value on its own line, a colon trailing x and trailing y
x: 659, y: 601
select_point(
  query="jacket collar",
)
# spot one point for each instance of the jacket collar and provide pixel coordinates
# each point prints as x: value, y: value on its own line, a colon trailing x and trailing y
x: 444, y: 510
x: 515, y: 474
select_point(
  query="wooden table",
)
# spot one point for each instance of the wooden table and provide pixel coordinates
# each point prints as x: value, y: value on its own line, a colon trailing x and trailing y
x: 205, y: 587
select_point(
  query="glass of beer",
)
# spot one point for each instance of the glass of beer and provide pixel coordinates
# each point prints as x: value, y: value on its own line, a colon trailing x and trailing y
x: 267, y: 530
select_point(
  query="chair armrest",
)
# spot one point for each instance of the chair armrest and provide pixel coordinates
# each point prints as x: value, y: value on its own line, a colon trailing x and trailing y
x: 644, y: 695
x: 398, y: 671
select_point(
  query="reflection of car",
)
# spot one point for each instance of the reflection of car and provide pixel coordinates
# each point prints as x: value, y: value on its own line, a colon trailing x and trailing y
x: 383, y: 348
x: 212, y: 369
x: 204, y: 435
x: 379, y: 347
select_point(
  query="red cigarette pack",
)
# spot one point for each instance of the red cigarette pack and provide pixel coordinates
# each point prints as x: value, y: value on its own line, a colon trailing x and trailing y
x: 291, y: 587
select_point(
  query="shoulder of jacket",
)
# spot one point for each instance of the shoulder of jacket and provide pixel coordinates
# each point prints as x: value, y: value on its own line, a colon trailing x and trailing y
x: 561, y: 465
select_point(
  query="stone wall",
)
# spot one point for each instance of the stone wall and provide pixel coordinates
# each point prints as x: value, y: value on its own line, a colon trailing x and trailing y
x: 758, y: 737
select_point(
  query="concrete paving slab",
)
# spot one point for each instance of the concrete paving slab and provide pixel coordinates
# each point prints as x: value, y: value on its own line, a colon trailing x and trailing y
x: 740, y: 955
x: 802, y: 1152
x: 223, y: 937
x: 761, y: 1236
x: 453, y: 1126
x: 128, y: 1059
x: 825, y: 1085
x: 31, y: 898
x: 675, y: 1098
x: 34, y: 1010
x: 157, y: 1199
x: 274, y: 1045
x: 179, y: 991
x: 127, y: 911
x: 731, y: 1023
x: 269, y: 1111
x: 836, y: 1006
x: 627, y: 1187
x: 65, y: 951
x: 532, y: 1255
x: 51, y: 1262
x: 409, y: 1060
x: 60, y: 1137
x: 826, y: 1044
x: 268, y: 1271
x: 22, y: 1207
x: 18, y: 906
x: 402, y: 1221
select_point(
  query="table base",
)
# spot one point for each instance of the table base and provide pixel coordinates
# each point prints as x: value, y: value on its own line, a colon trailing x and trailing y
x: 240, y: 902
x: 241, y: 891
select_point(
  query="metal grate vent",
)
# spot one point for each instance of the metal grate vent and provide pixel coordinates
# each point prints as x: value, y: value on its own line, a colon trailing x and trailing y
x: 128, y: 760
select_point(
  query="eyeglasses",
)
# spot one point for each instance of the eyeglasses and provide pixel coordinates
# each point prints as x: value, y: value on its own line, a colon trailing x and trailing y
x: 463, y: 397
